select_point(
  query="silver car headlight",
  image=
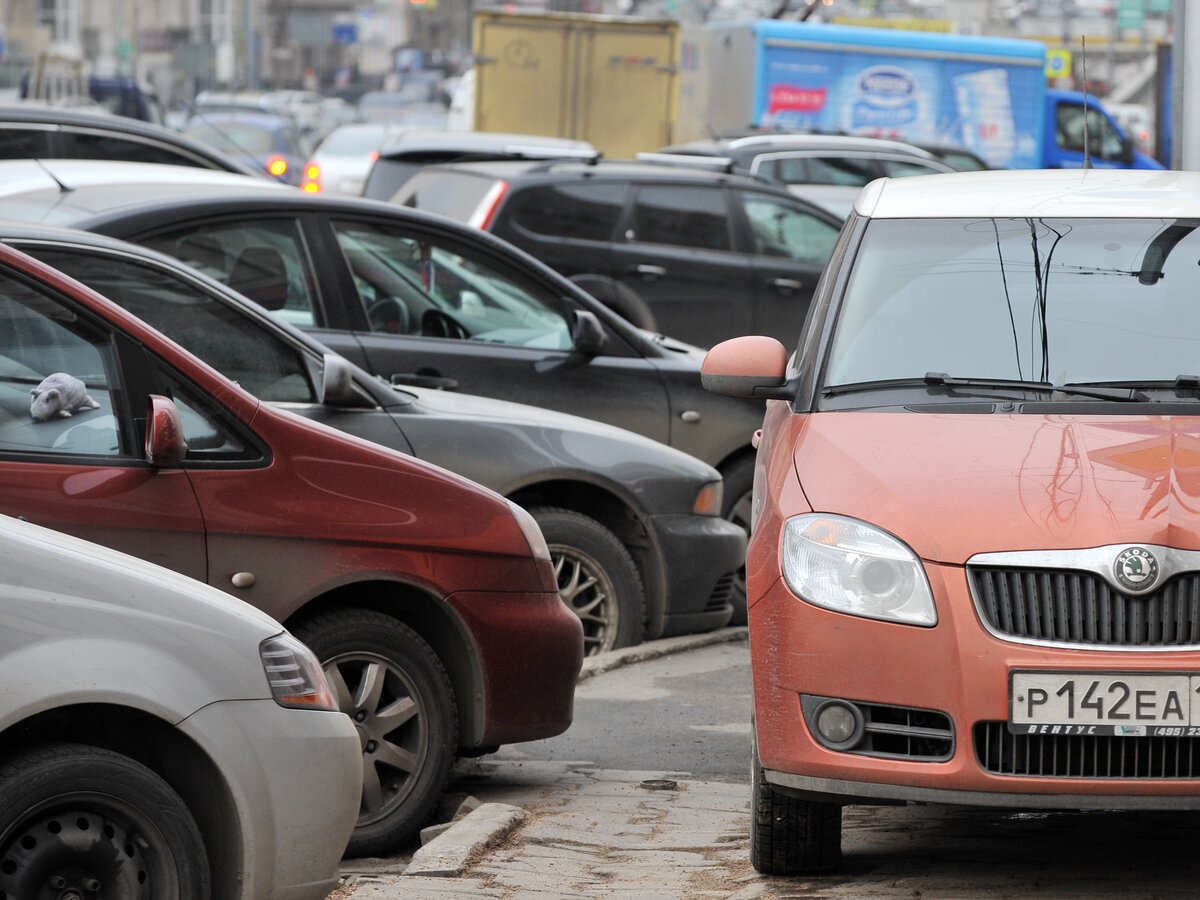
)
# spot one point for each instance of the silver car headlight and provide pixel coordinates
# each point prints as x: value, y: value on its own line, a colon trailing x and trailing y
x: 295, y: 674
x: 851, y: 567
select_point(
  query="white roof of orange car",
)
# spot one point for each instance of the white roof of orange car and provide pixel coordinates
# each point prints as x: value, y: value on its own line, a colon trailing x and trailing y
x: 1109, y: 193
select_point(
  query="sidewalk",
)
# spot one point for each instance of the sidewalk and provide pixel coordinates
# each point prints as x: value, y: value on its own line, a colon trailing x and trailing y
x: 571, y: 830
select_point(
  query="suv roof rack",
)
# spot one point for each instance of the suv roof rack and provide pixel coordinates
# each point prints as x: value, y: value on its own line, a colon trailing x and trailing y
x: 688, y: 161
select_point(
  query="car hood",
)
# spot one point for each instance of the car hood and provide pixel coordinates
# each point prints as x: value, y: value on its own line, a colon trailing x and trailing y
x: 525, y: 444
x: 952, y: 485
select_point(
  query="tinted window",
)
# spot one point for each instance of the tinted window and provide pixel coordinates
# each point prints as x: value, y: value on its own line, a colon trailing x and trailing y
x: 780, y: 229
x: 581, y: 211
x: 683, y: 215
x: 453, y: 194
x: 819, y: 170
x: 99, y: 146
x: 238, y: 138
x: 39, y: 338
x: 1103, y: 140
x: 264, y: 261
x: 412, y: 285
x: 228, y: 341
x: 20, y: 143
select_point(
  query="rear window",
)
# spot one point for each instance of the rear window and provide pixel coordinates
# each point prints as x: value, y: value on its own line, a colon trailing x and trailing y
x: 453, y: 194
x: 234, y: 137
x: 579, y: 211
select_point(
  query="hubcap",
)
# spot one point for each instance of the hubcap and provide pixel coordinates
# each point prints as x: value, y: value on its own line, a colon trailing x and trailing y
x: 588, y: 591
x: 390, y: 719
x: 78, y: 849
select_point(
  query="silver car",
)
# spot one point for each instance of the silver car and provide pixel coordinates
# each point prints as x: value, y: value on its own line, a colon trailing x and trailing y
x: 154, y: 733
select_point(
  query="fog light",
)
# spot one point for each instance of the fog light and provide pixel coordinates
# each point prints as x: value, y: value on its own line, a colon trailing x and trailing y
x: 839, y: 724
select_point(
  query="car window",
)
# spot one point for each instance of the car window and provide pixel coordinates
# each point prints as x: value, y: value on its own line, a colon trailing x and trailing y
x: 580, y: 211
x: 841, y: 170
x: 455, y: 194
x: 414, y: 285
x: 896, y: 168
x: 262, y: 260
x: 208, y: 439
x: 100, y: 146
x: 224, y: 338
x: 1103, y: 140
x: 682, y: 215
x: 239, y: 138
x: 780, y: 229
x: 47, y: 348
x: 23, y: 143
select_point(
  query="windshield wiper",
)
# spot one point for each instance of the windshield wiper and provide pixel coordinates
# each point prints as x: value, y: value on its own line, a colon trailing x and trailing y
x: 1180, y: 383
x: 1130, y: 395
x: 941, y: 379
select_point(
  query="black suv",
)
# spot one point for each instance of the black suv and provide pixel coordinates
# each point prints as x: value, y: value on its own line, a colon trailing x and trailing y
x: 713, y: 255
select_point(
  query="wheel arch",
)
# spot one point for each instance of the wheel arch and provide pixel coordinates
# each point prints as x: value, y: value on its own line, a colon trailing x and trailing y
x: 619, y: 517
x: 435, y: 622
x: 166, y: 751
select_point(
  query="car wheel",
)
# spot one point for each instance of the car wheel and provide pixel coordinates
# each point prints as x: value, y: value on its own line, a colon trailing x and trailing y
x: 396, y: 690
x: 790, y: 836
x: 597, y: 578
x: 738, y: 498
x: 79, y: 821
x: 620, y: 298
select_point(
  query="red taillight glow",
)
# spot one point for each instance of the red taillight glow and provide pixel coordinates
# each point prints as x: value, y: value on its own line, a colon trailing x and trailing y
x: 277, y: 165
x: 486, y: 211
x: 311, y: 182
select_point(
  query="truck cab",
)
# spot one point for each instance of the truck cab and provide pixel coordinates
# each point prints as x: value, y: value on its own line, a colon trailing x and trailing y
x: 1108, y: 146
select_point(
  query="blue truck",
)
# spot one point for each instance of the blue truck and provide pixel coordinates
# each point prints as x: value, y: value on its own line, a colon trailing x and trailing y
x: 986, y: 94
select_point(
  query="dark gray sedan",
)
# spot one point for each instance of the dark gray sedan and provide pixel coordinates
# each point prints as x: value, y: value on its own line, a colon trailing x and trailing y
x: 412, y: 297
x: 633, y: 525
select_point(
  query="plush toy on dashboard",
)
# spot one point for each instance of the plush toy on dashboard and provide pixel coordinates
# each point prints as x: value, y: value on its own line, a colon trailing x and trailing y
x: 59, y: 394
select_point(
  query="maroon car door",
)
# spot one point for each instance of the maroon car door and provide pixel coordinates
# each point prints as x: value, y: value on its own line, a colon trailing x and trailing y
x: 69, y: 458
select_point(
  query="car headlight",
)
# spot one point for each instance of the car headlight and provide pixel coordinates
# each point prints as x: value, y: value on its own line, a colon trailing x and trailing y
x: 855, y: 568
x: 533, y: 534
x: 294, y: 674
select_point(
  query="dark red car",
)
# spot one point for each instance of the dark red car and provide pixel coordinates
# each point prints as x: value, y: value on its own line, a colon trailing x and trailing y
x: 430, y: 600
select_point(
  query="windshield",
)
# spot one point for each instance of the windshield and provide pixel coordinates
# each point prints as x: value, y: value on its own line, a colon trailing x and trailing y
x: 1067, y: 301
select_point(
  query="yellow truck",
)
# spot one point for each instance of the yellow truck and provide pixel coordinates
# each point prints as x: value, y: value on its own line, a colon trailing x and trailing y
x: 609, y: 80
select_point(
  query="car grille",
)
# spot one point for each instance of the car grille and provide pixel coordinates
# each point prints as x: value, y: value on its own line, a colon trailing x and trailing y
x: 1085, y: 756
x: 1075, y: 607
x: 722, y: 593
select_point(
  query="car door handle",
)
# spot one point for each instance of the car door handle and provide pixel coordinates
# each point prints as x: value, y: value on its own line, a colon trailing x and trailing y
x: 787, y: 285
x: 649, y: 273
x: 425, y: 380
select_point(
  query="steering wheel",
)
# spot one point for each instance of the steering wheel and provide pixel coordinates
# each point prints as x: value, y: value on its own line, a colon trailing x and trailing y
x: 435, y: 323
x: 388, y: 315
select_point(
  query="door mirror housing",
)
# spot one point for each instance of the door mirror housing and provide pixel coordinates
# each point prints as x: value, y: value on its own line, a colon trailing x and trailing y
x: 337, y: 381
x: 588, y: 335
x: 165, y: 444
x: 753, y: 367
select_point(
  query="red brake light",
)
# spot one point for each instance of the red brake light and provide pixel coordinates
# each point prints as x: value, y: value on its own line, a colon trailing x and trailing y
x: 277, y: 165
x: 486, y: 211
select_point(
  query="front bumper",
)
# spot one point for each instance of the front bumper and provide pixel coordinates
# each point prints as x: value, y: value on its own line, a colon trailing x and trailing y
x: 295, y: 776
x: 529, y: 648
x: 956, y: 668
x: 700, y: 556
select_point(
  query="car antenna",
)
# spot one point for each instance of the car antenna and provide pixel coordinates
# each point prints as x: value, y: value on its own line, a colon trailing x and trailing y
x: 1087, y: 156
x: 62, y: 188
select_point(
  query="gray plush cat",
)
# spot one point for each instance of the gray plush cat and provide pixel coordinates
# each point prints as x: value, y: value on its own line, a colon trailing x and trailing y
x: 59, y: 394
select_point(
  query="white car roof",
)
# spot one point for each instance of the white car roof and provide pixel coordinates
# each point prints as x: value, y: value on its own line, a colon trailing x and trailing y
x: 1099, y: 193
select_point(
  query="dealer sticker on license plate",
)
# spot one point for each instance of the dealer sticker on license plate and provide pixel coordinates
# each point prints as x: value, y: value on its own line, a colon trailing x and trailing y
x: 1158, y: 705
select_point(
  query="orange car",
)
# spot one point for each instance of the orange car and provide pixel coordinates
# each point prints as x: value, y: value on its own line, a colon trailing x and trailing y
x: 974, y: 572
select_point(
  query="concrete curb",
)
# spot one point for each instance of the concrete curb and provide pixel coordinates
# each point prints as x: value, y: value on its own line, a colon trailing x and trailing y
x: 448, y: 854
x: 614, y: 659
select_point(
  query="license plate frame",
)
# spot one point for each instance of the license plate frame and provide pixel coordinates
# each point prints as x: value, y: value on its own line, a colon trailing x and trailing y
x: 1122, y: 704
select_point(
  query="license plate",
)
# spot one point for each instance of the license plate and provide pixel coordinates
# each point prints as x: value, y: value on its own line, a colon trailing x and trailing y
x: 1069, y: 703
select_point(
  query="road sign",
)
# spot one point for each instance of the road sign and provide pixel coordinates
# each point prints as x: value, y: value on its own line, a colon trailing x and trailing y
x: 1131, y: 13
x: 1058, y: 63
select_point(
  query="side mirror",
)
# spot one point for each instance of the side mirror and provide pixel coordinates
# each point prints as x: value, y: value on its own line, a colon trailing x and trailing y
x: 588, y: 334
x: 337, y: 381
x: 1127, y: 151
x: 752, y: 367
x: 165, y: 443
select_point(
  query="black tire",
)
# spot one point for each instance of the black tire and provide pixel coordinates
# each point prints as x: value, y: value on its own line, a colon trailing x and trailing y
x: 394, y: 687
x: 80, y: 821
x: 739, y: 488
x: 620, y: 298
x: 790, y: 836
x: 597, y: 578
